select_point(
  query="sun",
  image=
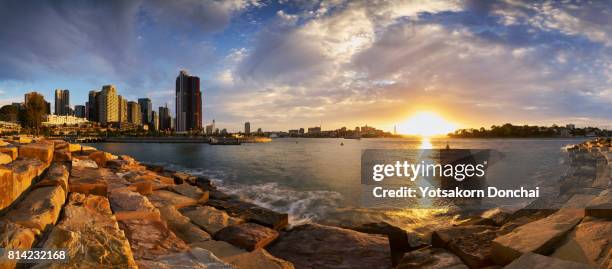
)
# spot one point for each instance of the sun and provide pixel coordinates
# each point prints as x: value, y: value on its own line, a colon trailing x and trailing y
x: 426, y: 123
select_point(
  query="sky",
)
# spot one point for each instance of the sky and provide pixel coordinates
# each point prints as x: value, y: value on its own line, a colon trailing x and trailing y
x: 290, y: 64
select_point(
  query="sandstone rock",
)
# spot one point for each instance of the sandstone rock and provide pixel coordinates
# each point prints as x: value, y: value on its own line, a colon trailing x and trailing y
x: 154, y: 168
x: 474, y: 249
x: 90, y: 234
x: 318, y: 246
x: 252, y: 213
x: 16, y: 177
x: 150, y: 238
x: 94, y: 181
x: 100, y: 157
x: 196, y: 258
x: 24, y: 140
x: 74, y: 147
x: 221, y: 249
x: 204, y: 183
x: 209, y: 218
x: 430, y: 258
x: 88, y: 149
x: 441, y: 238
x: 600, y: 206
x: 57, y: 175
x: 14, y: 236
x: 12, y: 151
x: 258, y: 259
x: 249, y: 236
x: 127, y: 200
x: 182, y: 226
x: 536, y: 261
x: 181, y: 177
x: 137, y: 175
x: 191, y: 191
x: 161, y: 198
x: 590, y: 243
x: 40, y: 208
x: 62, y: 155
x: 41, y: 151
x: 5, y: 158
x: 59, y: 144
x: 84, y: 163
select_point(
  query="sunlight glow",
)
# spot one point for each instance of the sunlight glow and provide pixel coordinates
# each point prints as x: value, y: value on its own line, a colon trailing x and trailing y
x: 426, y: 124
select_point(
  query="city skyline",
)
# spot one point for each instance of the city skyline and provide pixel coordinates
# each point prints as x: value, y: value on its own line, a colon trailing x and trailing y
x: 287, y: 66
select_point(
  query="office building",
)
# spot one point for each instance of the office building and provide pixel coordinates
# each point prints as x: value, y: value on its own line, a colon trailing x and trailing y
x: 92, y: 106
x: 79, y: 111
x: 134, y: 114
x: 164, y: 118
x: 188, y: 102
x: 247, y: 128
x: 62, y: 102
x: 108, y: 105
x: 154, y: 124
x: 146, y: 108
x: 123, y: 110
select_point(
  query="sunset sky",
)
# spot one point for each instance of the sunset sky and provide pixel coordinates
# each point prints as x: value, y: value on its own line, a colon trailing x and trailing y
x: 291, y: 64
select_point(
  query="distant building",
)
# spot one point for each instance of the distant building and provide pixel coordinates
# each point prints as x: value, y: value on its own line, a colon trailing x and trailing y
x: 188, y: 102
x: 108, y: 104
x: 63, y: 119
x: 123, y: 109
x: 259, y: 131
x: 209, y: 129
x: 92, y: 106
x: 570, y: 126
x: 79, y: 111
x: 62, y: 102
x: 164, y: 118
x: 301, y: 131
x: 314, y: 130
x: 294, y: 132
x: 134, y: 114
x: 247, y: 128
x: 146, y: 109
x: 154, y: 121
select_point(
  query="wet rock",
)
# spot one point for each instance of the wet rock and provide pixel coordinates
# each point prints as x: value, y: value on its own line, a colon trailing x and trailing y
x: 209, y: 218
x: 590, y: 243
x: 430, y: 258
x: 600, y: 206
x: 155, y: 168
x: 258, y: 259
x: 16, y: 177
x: 249, y: 236
x: 221, y: 249
x: 181, y: 177
x: 537, y: 261
x: 161, y: 198
x: 14, y: 236
x: 57, y: 175
x: 62, y: 155
x: 41, y: 151
x: 191, y: 191
x: 318, y: 246
x: 5, y: 158
x: 252, y: 213
x: 10, y: 150
x: 40, y: 208
x: 400, y: 241
x: 182, y: 226
x: 195, y: 258
x: 84, y: 163
x: 204, y: 183
x: 90, y: 234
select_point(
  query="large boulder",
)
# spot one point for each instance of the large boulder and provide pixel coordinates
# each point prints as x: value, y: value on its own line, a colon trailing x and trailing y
x: 40, y: 208
x: 101, y: 157
x: 537, y: 261
x: 249, y: 236
x: 191, y: 191
x: 94, y: 181
x: 57, y: 175
x: 430, y: 258
x: 258, y: 259
x: 14, y: 236
x: 210, y: 219
x: 150, y: 238
x: 182, y: 226
x: 196, y: 258
x: 5, y: 158
x: 11, y: 150
x: 221, y: 249
x: 161, y: 198
x: 590, y: 243
x: 62, y: 155
x: 41, y: 151
x: 17, y: 177
x: 127, y: 200
x: 252, y: 213
x: 600, y: 206
x: 83, y: 163
x: 318, y: 246
x: 90, y: 234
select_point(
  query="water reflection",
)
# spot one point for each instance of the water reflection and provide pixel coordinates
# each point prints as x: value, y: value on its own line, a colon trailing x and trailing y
x: 426, y: 143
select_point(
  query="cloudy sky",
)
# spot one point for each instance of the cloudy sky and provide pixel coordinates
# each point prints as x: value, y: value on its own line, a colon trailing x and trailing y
x: 292, y: 64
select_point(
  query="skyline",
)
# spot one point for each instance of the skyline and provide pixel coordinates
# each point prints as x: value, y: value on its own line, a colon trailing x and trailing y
x: 343, y: 64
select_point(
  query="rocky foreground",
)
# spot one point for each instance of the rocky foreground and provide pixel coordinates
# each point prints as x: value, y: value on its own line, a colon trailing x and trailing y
x: 114, y: 212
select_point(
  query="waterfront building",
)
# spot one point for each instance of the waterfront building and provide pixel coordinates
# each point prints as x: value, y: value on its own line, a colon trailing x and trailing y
x: 188, y: 102
x: 164, y: 118
x: 63, y: 119
x: 301, y: 131
x: 294, y: 132
x: 314, y: 130
x: 134, y: 114
x: 146, y: 108
x: 79, y: 111
x: 247, y: 128
x: 108, y: 104
x: 62, y: 102
x: 154, y: 121
x: 92, y: 106
x: 123, y: 109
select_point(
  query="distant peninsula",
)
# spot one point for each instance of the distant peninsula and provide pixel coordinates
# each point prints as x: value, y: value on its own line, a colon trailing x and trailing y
x: 528, y: 131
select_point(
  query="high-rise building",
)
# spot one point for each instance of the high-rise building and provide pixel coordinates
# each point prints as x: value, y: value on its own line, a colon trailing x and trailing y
x: 62, y: 102
x: 133, y: 111
x: 79, y: 111
x: 164, y: 118
x: 108, y: 104
x: 123, y: 109
x: 92, y: 106
x: 154, y: 124
x: 247, y: 128
x: 188, y: 102
x: 146, y: 107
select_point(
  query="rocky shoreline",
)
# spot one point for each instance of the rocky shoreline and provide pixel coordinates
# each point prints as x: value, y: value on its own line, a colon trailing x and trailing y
x: 114, y: 212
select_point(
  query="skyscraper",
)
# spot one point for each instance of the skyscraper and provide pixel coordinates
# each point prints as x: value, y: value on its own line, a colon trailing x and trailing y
x: 154, y: 124
x: 133, y: 111
x: 123, y: 113
x: 79, y: 111
x: 108, y: 104
x: 92, y: 106
x: 164, y: 118
x: 146, y: 107
x: 247, y: 128
x: 188, y: 102
x: 62, y: 102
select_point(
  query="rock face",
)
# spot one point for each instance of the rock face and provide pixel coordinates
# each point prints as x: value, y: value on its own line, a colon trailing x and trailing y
x: 536, y: 261
x: 249, y: 236
x: 5, y: 158
x: 191, y: 191
x: 41, y: 151
x: 209, y: 218
x: 196, y: 258
x: 221, y: 249
x: 150, y: 238
x: 590, y: 243
x: 11, y: 151
x: 57, y: 175
x: 601, y: 206
x: 258, y: 259
x: 16, y: 177
x: 94, y: 181
x: 252, y: 213
x: 14, y: 236
x: 91, y: 235
x: 163, y: 198
x: 84, y: 163
x: 470, y: 243
x: 430, y: 258
x: 318, y: 246
x: 400, y: 241
x: 62, y: 155
x: 182, y: 226
x: 40, y: 208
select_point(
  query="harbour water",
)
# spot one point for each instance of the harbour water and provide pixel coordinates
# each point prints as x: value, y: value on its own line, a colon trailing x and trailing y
x: 319, y: 179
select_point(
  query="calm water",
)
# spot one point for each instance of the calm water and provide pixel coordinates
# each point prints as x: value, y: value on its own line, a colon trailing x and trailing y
x: 319, y: 180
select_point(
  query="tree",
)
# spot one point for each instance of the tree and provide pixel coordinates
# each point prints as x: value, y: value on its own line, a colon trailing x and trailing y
x: 32, y: 115
x: 9, y: 113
